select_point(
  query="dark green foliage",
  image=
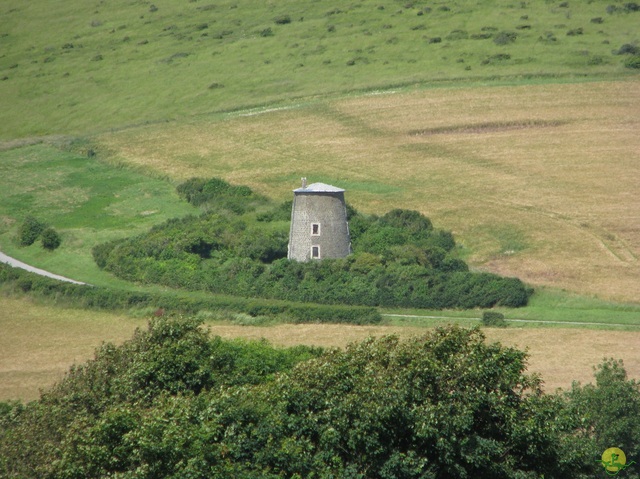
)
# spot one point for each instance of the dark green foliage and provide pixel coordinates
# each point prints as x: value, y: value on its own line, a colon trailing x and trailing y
x: 411, y: 221
x: 174, y: 402
x: 628, y: 49
x: 504, y: 38
x: 267, y: 32
x: 199, y: 191
x: 30, y: 230
x: 50, y: 239
x: 227, y: 254
x: 626, y: 8
x: 135, y: 406
x: 113, y: 299
x: 605, y: 415
x: 633, y: 62
x: 493, y: 318
x: 282, y: 19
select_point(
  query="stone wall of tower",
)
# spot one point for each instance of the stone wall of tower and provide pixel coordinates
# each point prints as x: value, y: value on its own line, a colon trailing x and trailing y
x: 327, y: 211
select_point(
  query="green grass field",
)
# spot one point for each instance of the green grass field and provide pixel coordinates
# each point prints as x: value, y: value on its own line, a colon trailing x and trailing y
x: 88, y: 202
x: 78, y: 68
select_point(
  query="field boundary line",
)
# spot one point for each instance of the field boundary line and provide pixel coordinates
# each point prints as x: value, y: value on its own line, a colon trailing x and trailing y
x: 589, y: 323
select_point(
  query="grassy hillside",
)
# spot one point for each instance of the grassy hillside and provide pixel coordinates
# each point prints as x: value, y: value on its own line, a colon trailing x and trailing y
x: 489, y: 117
x: 76, y: 67
x: 88, y: 202
x: 535, y: 181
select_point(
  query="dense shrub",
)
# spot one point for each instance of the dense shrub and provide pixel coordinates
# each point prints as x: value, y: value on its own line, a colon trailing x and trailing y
x: 198, y: 191
x: 628, y: 49
x: 633, y: 62
x: 30, y: 230
x: 415, y: 265
x: 504, y: 38
x: 50, y: 239
x: 604, y: 415
x: 115, y: 299
x: 493, y: 318
x: 282, y: 19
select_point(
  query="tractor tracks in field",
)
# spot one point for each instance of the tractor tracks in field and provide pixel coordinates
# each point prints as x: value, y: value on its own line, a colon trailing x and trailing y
x: 615, y: 246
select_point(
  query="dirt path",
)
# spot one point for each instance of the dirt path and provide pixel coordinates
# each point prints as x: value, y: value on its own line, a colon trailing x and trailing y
x: 19, y: 264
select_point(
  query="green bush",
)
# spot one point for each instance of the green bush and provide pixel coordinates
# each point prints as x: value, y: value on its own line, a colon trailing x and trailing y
x: 50, y: 239
x: 282, y: 19
x: 30, y: 230
x: 199, y: 191
x: 504, y: 38
x: 412, y: 221
x: 633, y: 62
x: 628, y: 49
x: 493, y: 318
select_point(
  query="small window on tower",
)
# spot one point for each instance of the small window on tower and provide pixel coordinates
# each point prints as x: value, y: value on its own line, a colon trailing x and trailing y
x: 315, y: 252
x: 315, y: 229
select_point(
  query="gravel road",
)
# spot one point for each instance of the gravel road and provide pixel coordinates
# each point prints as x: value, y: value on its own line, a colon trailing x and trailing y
x: 19, y: 264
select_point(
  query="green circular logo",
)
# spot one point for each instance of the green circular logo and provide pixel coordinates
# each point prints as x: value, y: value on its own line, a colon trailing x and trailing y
x: 614, y: 461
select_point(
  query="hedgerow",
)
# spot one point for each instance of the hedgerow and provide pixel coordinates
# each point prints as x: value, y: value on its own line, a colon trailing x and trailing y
x: 94, y: 297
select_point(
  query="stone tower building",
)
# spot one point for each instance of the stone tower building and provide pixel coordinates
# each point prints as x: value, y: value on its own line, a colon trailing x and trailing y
x: 319, y: 227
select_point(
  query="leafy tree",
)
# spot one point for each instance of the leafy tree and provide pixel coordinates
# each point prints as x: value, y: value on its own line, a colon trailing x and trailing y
x: 605, y: 415
x: 173, y: 402
x: 446, y: 405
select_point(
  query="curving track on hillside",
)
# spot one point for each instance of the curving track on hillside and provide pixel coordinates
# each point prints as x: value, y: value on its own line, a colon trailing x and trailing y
x: 19, y: 264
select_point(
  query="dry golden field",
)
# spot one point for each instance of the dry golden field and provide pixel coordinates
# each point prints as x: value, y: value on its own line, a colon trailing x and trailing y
x: 39, y: 343
x: 535, y: 181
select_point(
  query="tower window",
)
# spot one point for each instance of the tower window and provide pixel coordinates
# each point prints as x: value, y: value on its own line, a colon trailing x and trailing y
x: 315, y: 229
x: 315, y: 252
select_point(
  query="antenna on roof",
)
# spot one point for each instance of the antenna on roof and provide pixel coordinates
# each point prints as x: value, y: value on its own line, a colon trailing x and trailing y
x: 304, y: 182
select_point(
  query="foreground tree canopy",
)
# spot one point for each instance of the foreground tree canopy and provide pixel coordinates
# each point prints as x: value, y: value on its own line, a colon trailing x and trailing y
x: 239, y: 246
x: 175, y: 403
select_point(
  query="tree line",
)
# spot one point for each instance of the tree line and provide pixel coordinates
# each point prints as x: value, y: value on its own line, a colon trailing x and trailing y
x: 174, y: 402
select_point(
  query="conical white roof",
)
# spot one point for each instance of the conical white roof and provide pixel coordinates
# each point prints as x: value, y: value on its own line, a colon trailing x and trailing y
x: 319, y: 188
